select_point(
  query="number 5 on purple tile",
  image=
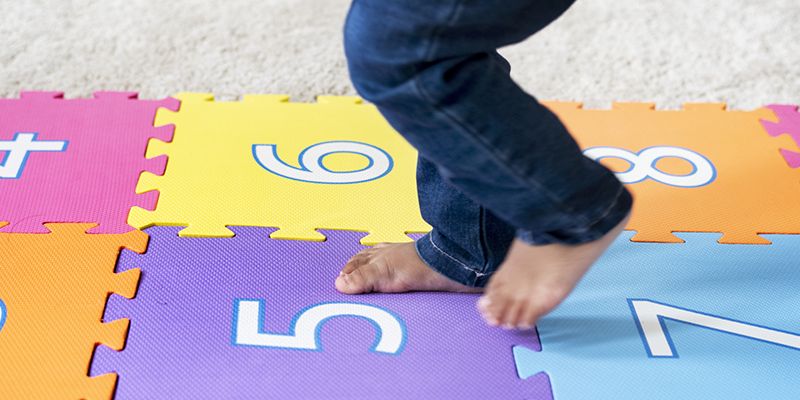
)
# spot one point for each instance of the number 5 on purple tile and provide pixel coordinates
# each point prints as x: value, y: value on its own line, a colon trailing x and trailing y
x: 248, y: 315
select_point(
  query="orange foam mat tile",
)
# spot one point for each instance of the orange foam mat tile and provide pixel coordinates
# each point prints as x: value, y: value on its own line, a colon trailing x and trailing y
x: 54, y: 288
x: 699, y: 169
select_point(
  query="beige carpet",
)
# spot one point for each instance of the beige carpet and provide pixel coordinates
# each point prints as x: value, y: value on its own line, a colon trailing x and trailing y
x: 744, y: 52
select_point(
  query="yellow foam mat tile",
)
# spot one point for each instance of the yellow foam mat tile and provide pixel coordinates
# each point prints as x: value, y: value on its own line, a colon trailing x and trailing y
x: 265, y: 161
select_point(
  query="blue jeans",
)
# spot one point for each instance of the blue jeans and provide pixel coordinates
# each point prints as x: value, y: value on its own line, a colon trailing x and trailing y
x: 494, y: 164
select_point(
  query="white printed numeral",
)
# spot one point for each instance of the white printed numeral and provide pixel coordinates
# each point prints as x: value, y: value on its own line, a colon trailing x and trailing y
x: 643, y: 165
x: 649, y: 316
x: 303, y: 333
x: 311, y: 166
x: 17, y: 151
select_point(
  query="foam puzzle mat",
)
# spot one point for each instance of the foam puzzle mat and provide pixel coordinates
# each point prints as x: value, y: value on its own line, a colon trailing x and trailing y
x: 186, y: 248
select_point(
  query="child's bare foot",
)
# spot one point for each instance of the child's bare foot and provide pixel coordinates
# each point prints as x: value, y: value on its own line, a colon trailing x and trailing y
x: 393, y: 268
x: 535, y: 279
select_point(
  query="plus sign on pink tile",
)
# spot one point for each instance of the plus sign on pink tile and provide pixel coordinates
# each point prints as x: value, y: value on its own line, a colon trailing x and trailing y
x: 76, y: 160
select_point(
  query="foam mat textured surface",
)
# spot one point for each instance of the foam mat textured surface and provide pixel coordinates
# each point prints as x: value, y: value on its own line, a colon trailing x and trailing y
x: 263, y: 200
x: 54, y: 287
x: 244, y: 163
x: 76, y: 160
x: 712, y: 322
x: 192, y: 338
x: 699, y: 169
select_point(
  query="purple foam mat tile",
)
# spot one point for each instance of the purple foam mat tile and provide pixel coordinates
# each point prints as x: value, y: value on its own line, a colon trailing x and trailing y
x: 182, y: 343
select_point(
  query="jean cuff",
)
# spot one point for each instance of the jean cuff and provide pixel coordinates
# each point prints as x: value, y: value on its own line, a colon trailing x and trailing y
x: 436, y: 256
x: 609, y: 218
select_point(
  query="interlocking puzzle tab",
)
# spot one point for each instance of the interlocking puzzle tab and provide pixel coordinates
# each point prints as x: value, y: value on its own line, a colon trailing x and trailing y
x: 76, y: 160
x: 677, y: 321
x: 274, y: 326
x: 264, y: 161
x: 699, y: 169
x: 54, y: 288
x: 788, y: 123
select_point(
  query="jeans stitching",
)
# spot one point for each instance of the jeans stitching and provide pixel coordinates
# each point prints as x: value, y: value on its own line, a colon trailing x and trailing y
x: 454, y: 12
x: 608, y: 210
x: 484, y: 241
x: 497, y: 158
x: 528, y: 236
x: 465, y: 266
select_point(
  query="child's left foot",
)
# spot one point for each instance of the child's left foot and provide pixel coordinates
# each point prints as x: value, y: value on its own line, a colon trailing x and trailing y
x: 393, y: 268
x: 534, y: 279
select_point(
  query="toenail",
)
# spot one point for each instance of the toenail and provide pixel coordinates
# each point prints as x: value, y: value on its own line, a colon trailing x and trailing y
x: 508, y: 326
x: 484, y: 302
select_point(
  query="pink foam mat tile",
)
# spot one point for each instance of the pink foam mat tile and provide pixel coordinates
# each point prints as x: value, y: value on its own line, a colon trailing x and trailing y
x: 76, y: 160
x: 788, y: 123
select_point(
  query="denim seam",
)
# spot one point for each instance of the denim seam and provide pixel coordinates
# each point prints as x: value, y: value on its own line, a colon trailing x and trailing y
x: 497, y: 158
x: 605, y: 214
x: 465, y: 266
x: 608, y: 210
x: 451, y: 16
x: 485, y: 248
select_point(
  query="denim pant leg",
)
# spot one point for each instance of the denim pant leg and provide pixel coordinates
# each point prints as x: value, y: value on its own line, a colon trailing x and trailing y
x: 468, y: 241
x: 432, y: 70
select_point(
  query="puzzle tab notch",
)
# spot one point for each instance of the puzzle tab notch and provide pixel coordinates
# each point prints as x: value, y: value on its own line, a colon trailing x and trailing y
x: 209, y: 172
x: 788, y: 123
x: 62, y: 281
x: 98, y: 164
x: 709, y: 138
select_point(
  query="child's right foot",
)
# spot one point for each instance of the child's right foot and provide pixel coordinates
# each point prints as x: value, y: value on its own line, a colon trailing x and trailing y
x: 393, y: 268
x: 535, y: 279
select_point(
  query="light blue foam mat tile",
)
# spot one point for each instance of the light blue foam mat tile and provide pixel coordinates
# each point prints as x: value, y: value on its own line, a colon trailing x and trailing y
x: 697, y: 320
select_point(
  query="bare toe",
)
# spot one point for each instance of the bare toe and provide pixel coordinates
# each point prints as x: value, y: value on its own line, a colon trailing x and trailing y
x: 355, y: 262
x: 352, y: 283
x: 491, y: 308
x: 528, y: 315
x: 365, y: 279
x: 511, y: 317
x: 393, y: 268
